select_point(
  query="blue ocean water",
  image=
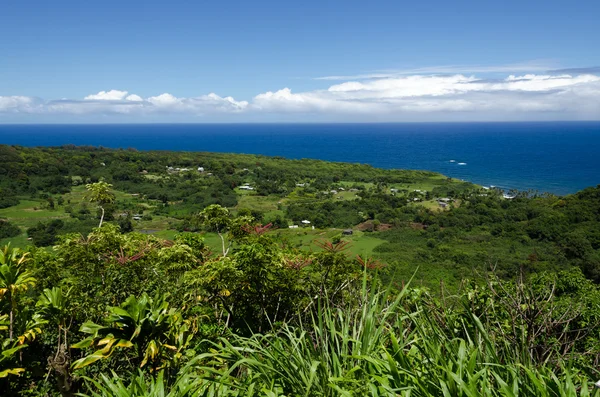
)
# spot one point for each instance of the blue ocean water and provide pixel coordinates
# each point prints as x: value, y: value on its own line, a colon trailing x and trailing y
x: 556, y: 157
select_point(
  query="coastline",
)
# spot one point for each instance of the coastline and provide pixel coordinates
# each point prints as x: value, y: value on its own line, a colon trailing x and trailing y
x: 555, y: 157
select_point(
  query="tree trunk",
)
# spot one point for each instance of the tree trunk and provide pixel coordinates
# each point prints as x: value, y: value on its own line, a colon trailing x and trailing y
x: 61, y: 364
x: 10, y: 332
x: 101, y: 217
x: 223, y: 244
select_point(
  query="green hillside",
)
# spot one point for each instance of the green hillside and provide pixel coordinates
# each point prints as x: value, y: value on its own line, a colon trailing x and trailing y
x: 240, y: 275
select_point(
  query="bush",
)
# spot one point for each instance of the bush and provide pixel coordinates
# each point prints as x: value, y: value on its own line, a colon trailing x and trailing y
x: 44, y: 234
x: 6, y: 202
x: 7, y: 229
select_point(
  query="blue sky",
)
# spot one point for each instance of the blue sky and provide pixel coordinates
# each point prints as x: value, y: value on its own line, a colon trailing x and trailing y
x: 298, y: 61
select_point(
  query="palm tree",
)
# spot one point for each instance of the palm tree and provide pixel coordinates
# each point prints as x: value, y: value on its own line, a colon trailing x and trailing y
x: 13, y: 278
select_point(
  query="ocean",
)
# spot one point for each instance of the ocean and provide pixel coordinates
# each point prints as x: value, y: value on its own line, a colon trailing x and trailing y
x: 555, y: 157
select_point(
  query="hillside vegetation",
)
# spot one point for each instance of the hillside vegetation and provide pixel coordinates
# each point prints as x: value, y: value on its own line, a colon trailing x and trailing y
x: 410, y: 283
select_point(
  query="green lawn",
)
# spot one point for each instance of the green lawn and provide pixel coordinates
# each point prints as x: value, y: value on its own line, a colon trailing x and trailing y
x: 349, y: 184
x: 158, y: 222
x: 19, y: 241
x: 166, y: 234
x: 269, y: 205
x: 361, y: 243
x: 346, y: 195
x: 29, y: 212
x: 427, y: 184
x: 258, y: 203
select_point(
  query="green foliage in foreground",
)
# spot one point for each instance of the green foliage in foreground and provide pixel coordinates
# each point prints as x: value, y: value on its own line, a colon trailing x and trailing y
x: 383, y: 347
x: 133, y: 315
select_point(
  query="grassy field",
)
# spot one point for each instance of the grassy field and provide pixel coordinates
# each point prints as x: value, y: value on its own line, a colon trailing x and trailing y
x: 361, y: 243
x: 269, y: 205
x: 31, y: 211
x: 423, y: 185
x: 19, y: 241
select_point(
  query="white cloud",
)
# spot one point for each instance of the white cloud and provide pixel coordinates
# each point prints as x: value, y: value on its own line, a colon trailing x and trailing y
x: 17, y: 104
x: 133, y: 97
x: 524, y: 67
x: 402, y: 98
x: 211, y: 103
x: 406, y: 86
x: 316, y: 101
x: 112, y: 95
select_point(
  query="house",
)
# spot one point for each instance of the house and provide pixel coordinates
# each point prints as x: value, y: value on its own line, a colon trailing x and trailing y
x: 293, y: 227
x: 442, y: 204
x: 200, y: 169
x: 347, y: 232
x: 393, y: 190
x: 305, y: 222
x: 333, y: 192
x: 246, y: 187
x: 300, y: 184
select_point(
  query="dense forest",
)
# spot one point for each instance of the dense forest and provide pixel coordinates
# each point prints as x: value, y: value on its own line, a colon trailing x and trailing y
x: 130, y: 273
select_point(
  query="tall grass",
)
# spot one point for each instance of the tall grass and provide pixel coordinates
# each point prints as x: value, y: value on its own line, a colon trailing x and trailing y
x: 384, y: 346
